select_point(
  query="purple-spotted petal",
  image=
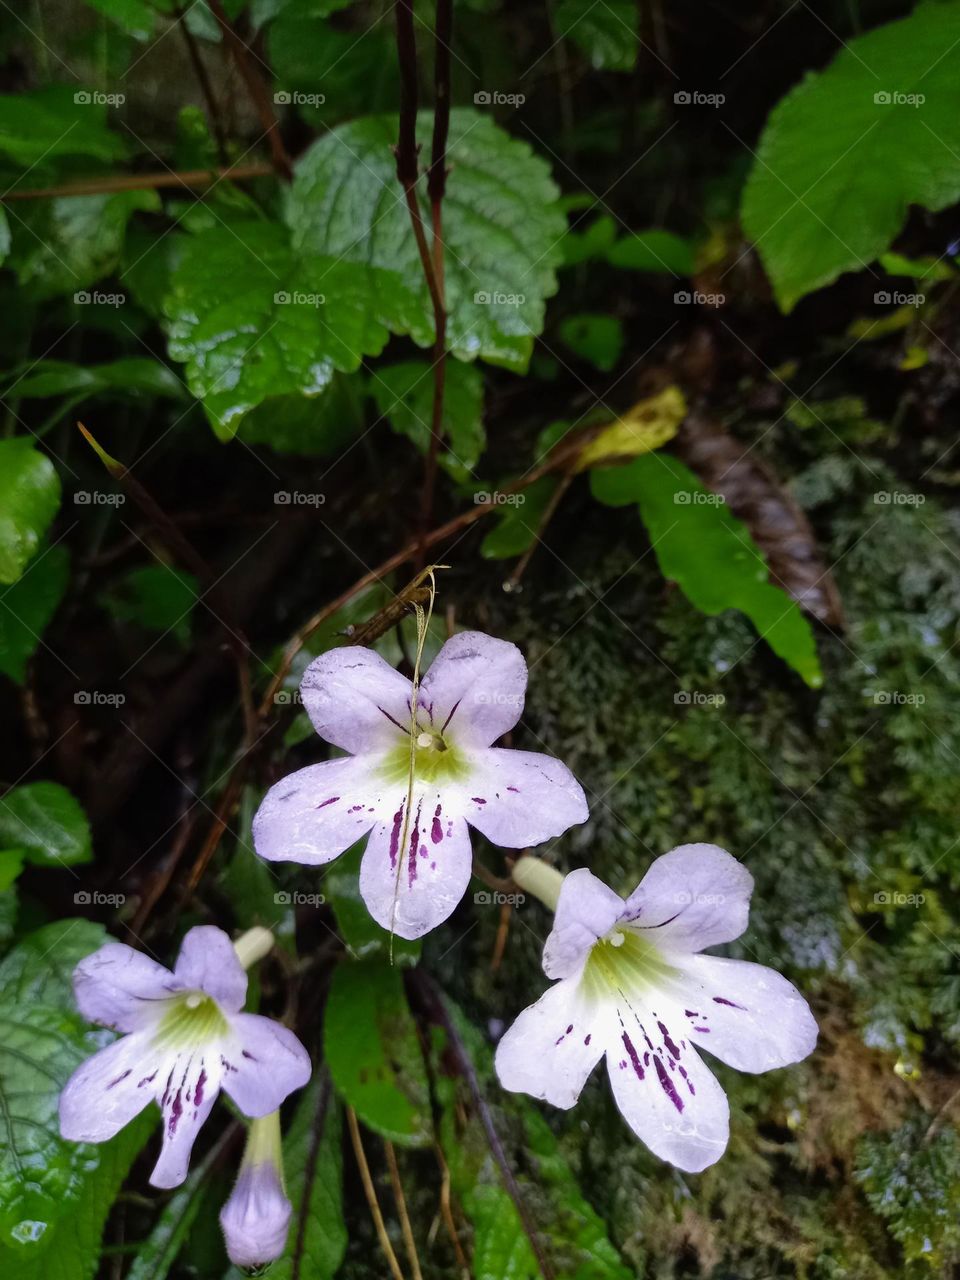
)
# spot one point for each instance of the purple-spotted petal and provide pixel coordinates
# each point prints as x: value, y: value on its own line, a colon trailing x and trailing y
x: 693, y: 897
x: 262, y: 1064
x: 188, y: 1086
x: 410, y: 886
x: 356, y: 700
x: 665, y: 1092
x: 119, y: 987
x: 552, y: 1047
x: 208, y: 962
x: 521, y: 798
x: 108, y: 1090
x: 586, y: 910
x: 473, y: 692
x: 745, y: 1014
x: 314, y: 814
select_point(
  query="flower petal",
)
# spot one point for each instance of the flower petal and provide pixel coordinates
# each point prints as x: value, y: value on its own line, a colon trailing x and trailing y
x: 108, y: 1090
x: 552, y: 1046
x: 520, y: 798
x: 208, y: 961
x: 749, y: 1016
x: 411, y: 890
x: 314, y: 814
x: 263, y: 1064
x: 586, y: 910
x: 665, y: 1092
x: 119, y: 987
x: 356, y: 700
x: 693, y: 897
x: 256, y: 1218
x: 186, y: 1095
x: 474, y: 689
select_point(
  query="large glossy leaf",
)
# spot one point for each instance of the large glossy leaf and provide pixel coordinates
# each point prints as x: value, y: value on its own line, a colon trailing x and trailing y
x: 502, y: 228
x: 373, y: 1053
x: 404, y: 394
x: 846, y: 153
x: 27, y: 606
x: 253, y: 319
x: 317, y: 1239
x: 29, y: 498
x: 708, y: 553
x: 47, y: 823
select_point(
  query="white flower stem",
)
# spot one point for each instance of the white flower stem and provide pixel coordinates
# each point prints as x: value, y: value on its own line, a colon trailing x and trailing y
x: 539, y: 878
x: 253, y: 945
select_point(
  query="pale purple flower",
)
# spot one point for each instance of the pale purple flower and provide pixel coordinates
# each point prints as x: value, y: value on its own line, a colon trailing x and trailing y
x: 633, y: 986
x: 471, y: 695
x: 185, y: 1039
x: 256, y: 1217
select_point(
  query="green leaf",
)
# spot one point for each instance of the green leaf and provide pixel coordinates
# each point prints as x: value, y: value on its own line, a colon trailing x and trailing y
x: 328, y: 75
x: 157, y: 1254
x: 373, y: 1053
x: 47, y: 823
x: 157, y: 598
x: 846, y: 153
x: 47, y: 123
x: 313, y: 425
x: 929, y: 269
x: 709, y: 554
x: 253, y: 319
x: 653, y: 250
x: 595, y: 338
x: 42, y: 1041
x: 65, y: 244
x: 516, y: 529
x: 404, y: 395
x: 585, y: 246
x: 4, y: 235
x: 502, y: 228
x: 27, y: 606
x: 136, y: 374
x: 135, y: 17
x: 606, y: 32
x: 29, y: 498
x: 317, y: 1240
x: 11, y: 864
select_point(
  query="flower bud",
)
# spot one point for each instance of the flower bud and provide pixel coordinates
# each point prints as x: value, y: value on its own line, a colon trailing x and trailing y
x: 256, y: 1217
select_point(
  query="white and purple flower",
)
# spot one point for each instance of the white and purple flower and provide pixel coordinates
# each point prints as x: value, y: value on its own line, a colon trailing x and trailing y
x: 417, y: 864
x: 633, y: 986
x: 185, y: 1039
x: 256, y: 1218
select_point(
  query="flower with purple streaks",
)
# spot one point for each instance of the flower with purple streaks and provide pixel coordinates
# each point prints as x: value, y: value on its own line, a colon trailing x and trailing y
x: 185, y: 1039
x: 417, y: 862
x: 256, y: 1217
x: 634, y: 987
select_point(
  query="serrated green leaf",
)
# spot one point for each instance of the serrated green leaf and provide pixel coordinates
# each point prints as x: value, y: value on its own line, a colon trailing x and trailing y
x: 605, y: 31
x: 372, y: 1050
x: 709, y: 554
x: 502, y: 229
x: 47, y: 823
x: 404, y: 395
x: 27, y: 606
x: 29, y: 498
x: 136, y: 374
x: 312, y: 425
x: 516, y: 530
x: 46, y: 123
x: 846, y: 153
x: 253, y: 319
x: 317, y: 1239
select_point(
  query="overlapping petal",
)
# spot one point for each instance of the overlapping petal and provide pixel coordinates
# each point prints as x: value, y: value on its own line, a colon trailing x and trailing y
x: 586, y: 910
x: 107, y: 1091
x: 208, y: 962
x: 552, y: 1047
x: 356, y: 700
x: 693, y: 897
x: 520, y: 798
x: 262, y: 1064
x: 313, y: 815
x: 120, y: 988
x: 474, y: 689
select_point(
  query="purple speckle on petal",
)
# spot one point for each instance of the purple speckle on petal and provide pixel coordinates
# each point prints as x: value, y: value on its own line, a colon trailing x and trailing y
x: 588, y: 1039
x: 671, y: 1047
x: 323, y: 803
x: 395, y: 836
x: 120, y: 1077
x: 514, y: 789
x: 478, y: 800
x: 201, y: 1081
x: 634, y: 1056
x: 436, y: 830
x: 729, y: 1003
x: 667, y: 1085
x: 705, y: 1030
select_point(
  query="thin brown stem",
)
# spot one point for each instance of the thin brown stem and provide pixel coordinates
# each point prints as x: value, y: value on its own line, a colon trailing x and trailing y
x: 408, y: 1241
x: 370, y: 1192
x: 142, y: 182
x: 257, y: 89
x: 549, y: 511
